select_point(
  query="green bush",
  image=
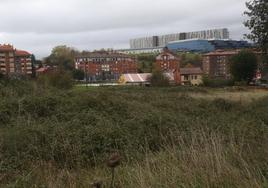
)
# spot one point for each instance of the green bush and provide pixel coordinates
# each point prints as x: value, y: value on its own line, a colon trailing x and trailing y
x: 1, y: 76
x: 78, y: 74
x: 244, y: 66
x: 59, y: 79
x: 217, y: 82
x: 77, y: 129
x: 158, y: 79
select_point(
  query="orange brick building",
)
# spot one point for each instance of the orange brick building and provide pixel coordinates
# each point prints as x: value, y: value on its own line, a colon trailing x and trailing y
x: 217, y: 64
x: 167, y: 61
x: 7, y: 59
x: 23, y: 61
x: 15, y: 62
x: 105, y: 65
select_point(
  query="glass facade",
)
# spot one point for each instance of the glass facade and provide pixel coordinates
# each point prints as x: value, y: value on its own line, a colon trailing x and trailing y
x: 163, y: 40
x: 202, y: 45
x: 191, y: 45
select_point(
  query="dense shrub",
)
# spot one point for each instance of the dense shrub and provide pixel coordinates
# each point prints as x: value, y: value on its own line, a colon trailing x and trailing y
x: 59, y: 79
x: 78, y: 129
x: 1, y: 76
x: 244, y: 66
x: 158, y: 79
x: 217, y: 82
x: 78, y: 74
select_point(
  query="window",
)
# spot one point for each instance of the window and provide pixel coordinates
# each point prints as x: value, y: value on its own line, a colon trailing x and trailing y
x: 105, y: 68
x: 165, y: 57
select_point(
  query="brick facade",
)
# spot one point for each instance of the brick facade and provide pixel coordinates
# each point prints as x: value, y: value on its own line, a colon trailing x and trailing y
x: 23, y: 61
x: 167, y: 61
x: 14, y: 62
x: 217, y: 64
x: 105, y: 65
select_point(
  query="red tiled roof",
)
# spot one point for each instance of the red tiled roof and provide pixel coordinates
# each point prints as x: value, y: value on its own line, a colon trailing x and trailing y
x: 42, y: 69
x: 6, y: 47
x: 22, y: 53
x: 167, y: 52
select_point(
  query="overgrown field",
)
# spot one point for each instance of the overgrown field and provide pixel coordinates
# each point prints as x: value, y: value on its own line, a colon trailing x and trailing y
x: 167, y: 137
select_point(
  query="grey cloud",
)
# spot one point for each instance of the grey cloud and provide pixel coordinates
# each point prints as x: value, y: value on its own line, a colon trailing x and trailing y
x: 38, y: 25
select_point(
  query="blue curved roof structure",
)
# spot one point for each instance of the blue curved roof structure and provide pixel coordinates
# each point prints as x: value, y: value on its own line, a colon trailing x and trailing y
x: 203, y: 45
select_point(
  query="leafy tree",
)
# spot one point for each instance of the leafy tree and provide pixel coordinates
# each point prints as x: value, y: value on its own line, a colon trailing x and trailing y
x: 1, y: 75
x: 258, y: 23
x: 146, y: 62
x: 193, y: 59
x: 158, y: 79
x: 60, y: 79
x: 62, y: 56
x: 33, y: 61
x: 78, y: 74
x: 244, y: 66
x: 217, y: 82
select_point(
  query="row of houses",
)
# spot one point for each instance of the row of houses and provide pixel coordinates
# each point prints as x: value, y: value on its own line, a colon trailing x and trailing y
x: 14, y: 62
x: 123, y: 67
x: 111, y: 65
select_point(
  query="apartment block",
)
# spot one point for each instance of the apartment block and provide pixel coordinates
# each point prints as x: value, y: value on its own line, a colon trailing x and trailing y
x: 7, y: 59
x: 14, y: 62
x: 105, y: 65
x: 217, y: 64
x: 23, y: 62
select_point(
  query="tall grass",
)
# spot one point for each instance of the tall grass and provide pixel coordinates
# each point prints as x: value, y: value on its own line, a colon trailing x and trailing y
x: 54, y: 138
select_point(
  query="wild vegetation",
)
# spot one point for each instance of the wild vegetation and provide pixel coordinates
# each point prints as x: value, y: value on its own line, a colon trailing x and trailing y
x: 167, y: 137
x: 244, y: 66
x: 146, y: 61
x: 159, y: 79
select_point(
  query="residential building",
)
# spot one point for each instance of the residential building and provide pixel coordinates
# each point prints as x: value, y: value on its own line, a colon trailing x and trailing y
x: 15, y: 62
x: 43, y: 70
x: 163, y: 40
x: 7, y: 59
x: 105, y: 65
x: 191, y: 76
x: 169, y: 64
x: 217, y: 64
x: 23, y: 62
x: 167, y: 61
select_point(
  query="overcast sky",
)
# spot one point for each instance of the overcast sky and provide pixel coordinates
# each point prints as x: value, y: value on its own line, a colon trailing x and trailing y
x: 39, y: 25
